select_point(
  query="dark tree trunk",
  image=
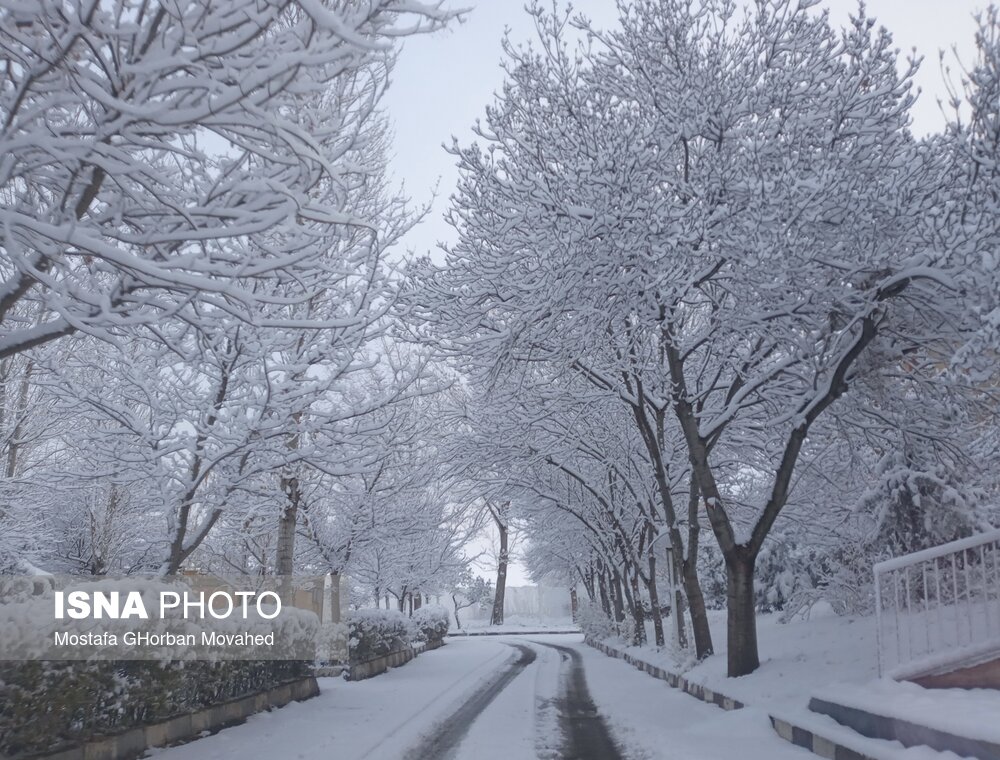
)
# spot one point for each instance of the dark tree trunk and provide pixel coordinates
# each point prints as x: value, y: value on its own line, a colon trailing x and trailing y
x: 602, y: 586
x: 689, y: 573
x: 699, y: 615
x: 742, y: 620
x: 654, y: 603
x: 574, y: 604
x: 501, y: 588
x: 634, y: 600
x: 616, y: 597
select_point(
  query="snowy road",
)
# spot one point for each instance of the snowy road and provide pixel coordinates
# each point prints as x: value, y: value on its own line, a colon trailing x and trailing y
x: 509, y: 698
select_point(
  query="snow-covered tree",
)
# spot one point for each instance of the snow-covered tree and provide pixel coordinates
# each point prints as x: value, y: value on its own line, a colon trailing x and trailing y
x: 714, y: 215
x: 156, y: 155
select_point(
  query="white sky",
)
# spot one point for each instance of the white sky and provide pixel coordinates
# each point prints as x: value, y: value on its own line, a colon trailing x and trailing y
x: 444, y: 81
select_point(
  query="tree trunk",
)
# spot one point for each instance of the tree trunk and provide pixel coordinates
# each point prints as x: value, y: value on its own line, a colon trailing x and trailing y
x: 654, y: 603
x: 285, y: 551
x: 588, y: 584
x: 454, y: 601
x: 635, y: 607
x: 335, y: 598
x: 742, y: 621
x: 602, y: 587
x: 284, y: 559
x: 20, y: 414
x: 574, y: 604
x: 616, y: 597
x: 699, y: 615
x: 501, y: 589
x: 692, y: 584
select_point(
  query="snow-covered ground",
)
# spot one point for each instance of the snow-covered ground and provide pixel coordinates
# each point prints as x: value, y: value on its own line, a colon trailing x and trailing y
x: 508, y: 698
x: 833, y: 657
x: 795, y: 658
x: 650, y: 720
x: 519, y: 624
x: 378, y: 718
x: 394, y: 715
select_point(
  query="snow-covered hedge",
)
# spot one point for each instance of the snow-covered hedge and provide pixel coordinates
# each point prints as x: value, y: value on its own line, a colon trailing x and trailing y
x: 376, y: 633
x: 45, y: 705
x: 331, y: 643
x: 62, y: 694
x: 431, y: 622
x: 594, y: 623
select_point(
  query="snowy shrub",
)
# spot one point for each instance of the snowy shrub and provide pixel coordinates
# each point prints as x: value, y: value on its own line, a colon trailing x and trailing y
x: 919, y: 501
x: 712, y: 576
x: 331, y: 643
x: 376, y: 633
x: 594, y: 623
x: 431, y: 622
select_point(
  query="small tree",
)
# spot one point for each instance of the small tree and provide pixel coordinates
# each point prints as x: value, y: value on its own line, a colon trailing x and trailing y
x: 470, y: 591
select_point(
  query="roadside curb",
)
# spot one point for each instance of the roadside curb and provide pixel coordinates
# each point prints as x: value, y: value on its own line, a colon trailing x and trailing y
x: 379, y: 665
x: 815, y: 743
x: 696, y: 690
x: 464, y: 634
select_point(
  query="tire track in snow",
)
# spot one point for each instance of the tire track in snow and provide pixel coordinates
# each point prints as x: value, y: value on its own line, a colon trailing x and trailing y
x: 587, y: 736
x: 444, y: 740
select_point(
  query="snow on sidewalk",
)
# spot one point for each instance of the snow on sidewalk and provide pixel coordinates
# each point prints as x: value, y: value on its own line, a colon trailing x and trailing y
x: 796, y: 658
x: 823, y: 655
x: 653, y: 721
x: 974, y: 713
x: 376, y: 719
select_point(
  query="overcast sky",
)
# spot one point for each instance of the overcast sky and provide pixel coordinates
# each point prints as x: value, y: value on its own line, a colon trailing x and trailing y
x: 444, y: 81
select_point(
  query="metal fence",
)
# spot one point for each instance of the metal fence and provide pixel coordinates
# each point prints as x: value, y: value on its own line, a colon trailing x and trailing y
x: 938, y: 607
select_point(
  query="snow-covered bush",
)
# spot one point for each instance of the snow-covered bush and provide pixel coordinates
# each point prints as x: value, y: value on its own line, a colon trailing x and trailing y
x: 431, y: 622
x: 331, y: 643
x: 46, y: 704
x: 594, y: 623
x: 376, y: 633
